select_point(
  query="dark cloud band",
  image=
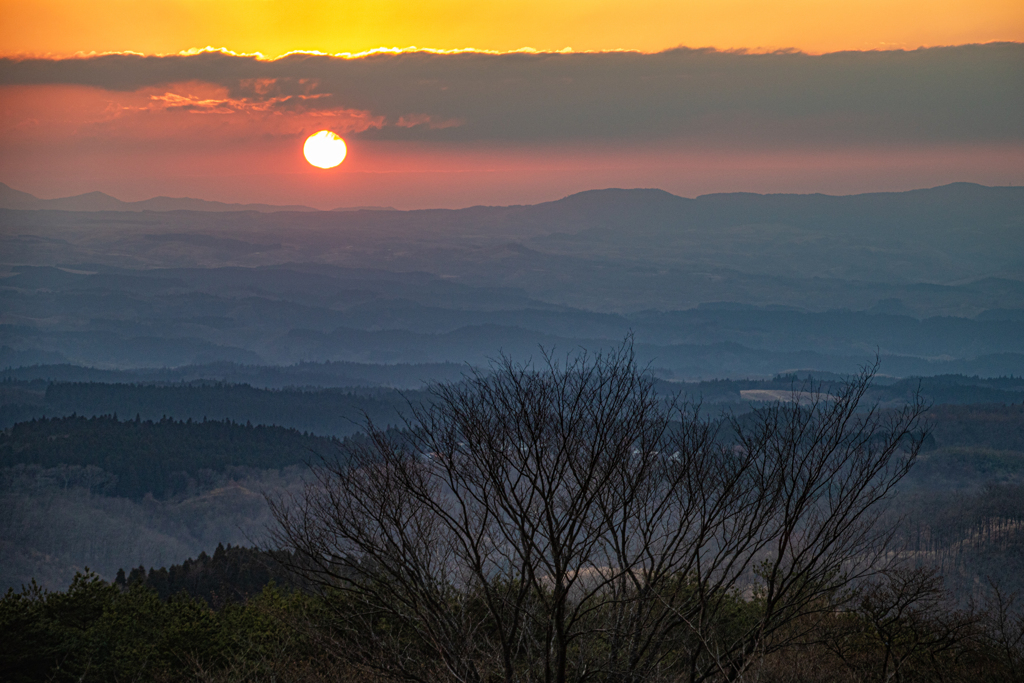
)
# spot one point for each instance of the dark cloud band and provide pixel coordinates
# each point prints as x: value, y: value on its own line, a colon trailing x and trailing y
x: 966, y: 94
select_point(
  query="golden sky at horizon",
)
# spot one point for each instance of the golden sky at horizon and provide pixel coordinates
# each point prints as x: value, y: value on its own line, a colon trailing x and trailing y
x: 61, y: 28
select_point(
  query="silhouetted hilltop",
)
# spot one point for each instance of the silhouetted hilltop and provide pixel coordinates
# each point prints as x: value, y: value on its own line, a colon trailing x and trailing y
x: 98, y: 201
x: 955, y: 207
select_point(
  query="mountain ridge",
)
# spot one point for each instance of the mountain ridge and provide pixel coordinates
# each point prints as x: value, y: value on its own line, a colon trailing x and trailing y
x: 11, y: 198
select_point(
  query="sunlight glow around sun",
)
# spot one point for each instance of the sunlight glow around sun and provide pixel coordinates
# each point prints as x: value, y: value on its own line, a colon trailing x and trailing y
x: 325, y: 149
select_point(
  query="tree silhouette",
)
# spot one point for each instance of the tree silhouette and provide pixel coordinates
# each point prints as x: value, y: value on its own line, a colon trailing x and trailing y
x: 564, y: 522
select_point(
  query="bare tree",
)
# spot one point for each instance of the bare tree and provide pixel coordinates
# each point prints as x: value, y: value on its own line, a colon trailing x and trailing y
x: 567, y: 523
x: 904, y: 620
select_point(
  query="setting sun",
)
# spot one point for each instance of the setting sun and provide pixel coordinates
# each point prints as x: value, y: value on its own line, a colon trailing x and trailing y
x: 325, y: 149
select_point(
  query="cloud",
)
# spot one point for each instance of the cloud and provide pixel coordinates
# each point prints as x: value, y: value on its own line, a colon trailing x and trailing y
x: 414, y: 120
x: 266, y: 96
x: 185, y: 115
x: 971, y: 94
x: 210, y: 105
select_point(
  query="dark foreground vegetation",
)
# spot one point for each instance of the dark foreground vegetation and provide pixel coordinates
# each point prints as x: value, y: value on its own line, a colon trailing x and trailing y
x: 568, y: 523
x: 902, y: 626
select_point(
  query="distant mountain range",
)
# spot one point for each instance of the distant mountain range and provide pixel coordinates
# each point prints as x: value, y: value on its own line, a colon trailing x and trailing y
x: 98, y: 201
x: 727, y: 285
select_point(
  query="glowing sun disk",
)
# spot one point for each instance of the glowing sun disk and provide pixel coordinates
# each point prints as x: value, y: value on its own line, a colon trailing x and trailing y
x: 324, y: 149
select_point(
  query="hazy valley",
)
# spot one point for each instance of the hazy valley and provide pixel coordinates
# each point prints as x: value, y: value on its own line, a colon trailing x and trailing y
x: 719, y: 286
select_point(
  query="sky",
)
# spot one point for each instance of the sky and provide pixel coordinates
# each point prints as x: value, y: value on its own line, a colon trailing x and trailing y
x: 449, y: 103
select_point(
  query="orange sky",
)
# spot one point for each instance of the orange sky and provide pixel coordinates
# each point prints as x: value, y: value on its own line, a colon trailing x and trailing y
x: 273, y: 27
x: 66, y: 140
x: 708, y: 125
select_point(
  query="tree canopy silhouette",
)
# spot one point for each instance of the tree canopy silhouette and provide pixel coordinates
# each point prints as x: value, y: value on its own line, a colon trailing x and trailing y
x: 562, y: 521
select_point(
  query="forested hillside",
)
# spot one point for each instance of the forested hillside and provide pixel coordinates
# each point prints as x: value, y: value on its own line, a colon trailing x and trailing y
x: 332, y: 412
x: 974, y: 539
x: 30, y: 393
x: 162, y: 458
x: 304, y: 374
x: 228, y: 574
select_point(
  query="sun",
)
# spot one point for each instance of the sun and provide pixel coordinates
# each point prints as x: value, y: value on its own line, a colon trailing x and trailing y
x: 325, y: 149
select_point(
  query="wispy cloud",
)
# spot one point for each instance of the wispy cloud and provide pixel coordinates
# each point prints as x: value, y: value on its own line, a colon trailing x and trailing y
x: 414, y: 120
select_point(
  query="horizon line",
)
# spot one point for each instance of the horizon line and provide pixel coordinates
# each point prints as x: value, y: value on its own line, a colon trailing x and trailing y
x: 525, y: 50
x: 304, y: 208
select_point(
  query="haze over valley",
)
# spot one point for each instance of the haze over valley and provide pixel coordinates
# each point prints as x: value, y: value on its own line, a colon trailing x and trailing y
x: 724, y: 286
